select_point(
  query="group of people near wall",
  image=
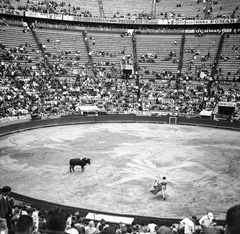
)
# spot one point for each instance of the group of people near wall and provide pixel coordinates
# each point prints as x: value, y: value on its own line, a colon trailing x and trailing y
x: 23, y: 219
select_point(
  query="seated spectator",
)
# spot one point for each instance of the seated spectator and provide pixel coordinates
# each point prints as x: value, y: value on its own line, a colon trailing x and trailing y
x: 188, y: 225
x: 206, y: 220
x: 214, y: 229
x: 56, y: 220
x: 3, y: 226
x: 101, y: 225
x: 152, y: 227
x: 144, y: 230
x: 72, y: 229
x: 233, y: 220
x: 90, y: 229
x: 164, y: 230
x: 24, y: 225
x: 108, y: 230
x: 174, y: 229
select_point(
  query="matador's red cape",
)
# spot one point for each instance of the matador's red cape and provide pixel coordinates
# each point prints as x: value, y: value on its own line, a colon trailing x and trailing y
x: 156, y: 187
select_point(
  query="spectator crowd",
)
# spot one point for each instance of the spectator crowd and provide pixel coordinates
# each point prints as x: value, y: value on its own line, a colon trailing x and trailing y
x: 202, y: 10
x: 31, y: 84
x: 24, y: 219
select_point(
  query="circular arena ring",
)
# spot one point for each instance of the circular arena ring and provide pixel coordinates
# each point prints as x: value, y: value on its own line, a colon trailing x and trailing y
x: 201, y: 165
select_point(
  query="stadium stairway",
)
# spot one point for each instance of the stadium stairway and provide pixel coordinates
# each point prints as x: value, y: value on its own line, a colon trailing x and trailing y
x: 229, y: 61
x: 159, y: 47
x: 108, y: 50
x: 219, y: 50
x: 101, y: 10
x: 13, y: 36
x: 40, y: 48
x: 86, y: 42
x: 126, y: 9
x: 199, y: 53
x: 180, y: 64
x: 66, y: 48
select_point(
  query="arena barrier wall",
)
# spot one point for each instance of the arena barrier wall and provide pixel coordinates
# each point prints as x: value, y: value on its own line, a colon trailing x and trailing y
x: 77, y: 119
x: 205, y: 122
x: 112, y: 118
x: 67, y: 120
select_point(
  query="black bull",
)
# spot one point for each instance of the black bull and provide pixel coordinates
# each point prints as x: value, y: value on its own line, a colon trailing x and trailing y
x: 79, y: 162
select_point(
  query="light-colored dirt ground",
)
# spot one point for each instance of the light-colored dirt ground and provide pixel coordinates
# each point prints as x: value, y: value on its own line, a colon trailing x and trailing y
x: 201, y: 165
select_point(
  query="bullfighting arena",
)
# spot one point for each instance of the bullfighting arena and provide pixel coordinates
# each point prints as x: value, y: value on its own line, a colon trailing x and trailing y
x: 201, y: 165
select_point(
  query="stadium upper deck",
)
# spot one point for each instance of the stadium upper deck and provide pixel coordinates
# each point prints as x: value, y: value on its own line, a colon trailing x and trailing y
x: 134, y: 9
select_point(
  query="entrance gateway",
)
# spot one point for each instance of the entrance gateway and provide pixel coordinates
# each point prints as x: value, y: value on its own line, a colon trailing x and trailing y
x: 172, y: 120
x: 224, y: 111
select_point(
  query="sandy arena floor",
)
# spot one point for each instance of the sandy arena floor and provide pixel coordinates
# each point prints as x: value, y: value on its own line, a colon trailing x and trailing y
x: 201, y: 165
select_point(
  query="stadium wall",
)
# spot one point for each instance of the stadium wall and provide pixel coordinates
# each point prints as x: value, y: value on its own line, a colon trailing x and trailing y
x: 10, y: 128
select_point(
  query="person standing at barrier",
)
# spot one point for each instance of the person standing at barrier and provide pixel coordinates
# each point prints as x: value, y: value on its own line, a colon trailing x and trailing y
x: 206, y: 221
x: 5, y: 207
x: 188, y: 225
x: 152, y: 227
